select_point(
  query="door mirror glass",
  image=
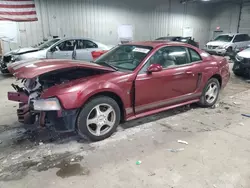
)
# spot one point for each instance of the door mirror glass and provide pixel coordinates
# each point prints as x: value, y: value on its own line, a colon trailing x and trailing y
x: 154, y: 68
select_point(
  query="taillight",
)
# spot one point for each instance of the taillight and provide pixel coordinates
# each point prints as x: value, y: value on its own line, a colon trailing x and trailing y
x: 96, y: 54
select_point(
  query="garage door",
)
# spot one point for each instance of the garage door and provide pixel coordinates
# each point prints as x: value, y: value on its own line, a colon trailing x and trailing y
x: 245, y: 19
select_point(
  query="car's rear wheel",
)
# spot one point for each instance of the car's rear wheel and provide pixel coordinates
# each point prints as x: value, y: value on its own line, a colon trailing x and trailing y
x: 210, y: 93
x: 98, y: 118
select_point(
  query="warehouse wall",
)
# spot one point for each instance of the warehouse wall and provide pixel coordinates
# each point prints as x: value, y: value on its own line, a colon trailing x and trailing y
x: 225, y: 16
x: 99, y: 19
x: 244, y: 26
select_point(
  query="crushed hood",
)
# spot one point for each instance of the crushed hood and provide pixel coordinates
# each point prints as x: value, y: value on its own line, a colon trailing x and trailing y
x: 21, y: 51
x: 33, y: 68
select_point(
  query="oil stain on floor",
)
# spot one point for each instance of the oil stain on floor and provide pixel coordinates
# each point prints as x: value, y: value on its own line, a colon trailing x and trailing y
x: 67, y: 170
x: 67, y: 165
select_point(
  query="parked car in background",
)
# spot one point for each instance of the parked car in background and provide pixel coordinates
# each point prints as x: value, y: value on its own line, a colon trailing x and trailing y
x: 242, y: 63
x: 187, y: 40
x: 227, y: 43
x: 20, y: 54
x: 130, y: 81
x: 66, y: 48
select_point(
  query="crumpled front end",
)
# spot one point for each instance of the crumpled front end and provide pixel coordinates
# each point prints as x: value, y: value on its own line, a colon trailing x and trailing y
x: 47, y: 89
x: 47, y: 112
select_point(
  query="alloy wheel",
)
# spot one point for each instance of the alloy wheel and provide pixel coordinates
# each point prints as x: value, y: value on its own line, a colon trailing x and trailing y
x: 101, y: 119
x: 211, y: 93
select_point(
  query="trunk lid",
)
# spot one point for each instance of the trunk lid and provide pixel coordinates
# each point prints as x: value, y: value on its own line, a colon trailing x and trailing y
x: 33, y: 68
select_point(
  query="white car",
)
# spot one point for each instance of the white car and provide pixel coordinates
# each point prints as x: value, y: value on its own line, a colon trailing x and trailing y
x: 67, y: 48
x: 227, y: 43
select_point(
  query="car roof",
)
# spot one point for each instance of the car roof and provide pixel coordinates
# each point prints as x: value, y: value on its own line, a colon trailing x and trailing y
x: 156, y: 43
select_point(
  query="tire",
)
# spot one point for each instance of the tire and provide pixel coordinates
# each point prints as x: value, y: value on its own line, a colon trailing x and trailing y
x: 237, y: 73
x: 204, y: 102
x: 88, y: 119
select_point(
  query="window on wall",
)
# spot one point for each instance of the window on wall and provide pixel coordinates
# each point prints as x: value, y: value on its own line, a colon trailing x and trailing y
x: 194, y: 56
x: 167, y: 57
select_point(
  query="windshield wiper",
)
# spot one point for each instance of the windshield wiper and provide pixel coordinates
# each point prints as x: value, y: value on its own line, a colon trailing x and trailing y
x: 107, y: 64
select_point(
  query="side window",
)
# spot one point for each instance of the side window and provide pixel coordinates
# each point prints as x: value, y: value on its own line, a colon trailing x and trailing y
x: 246, y: 37
x: 83, y: 44
x: 239, y: 38
x: 194, y: 56
x: 67, y: 45
x: 168, y: 57
x: 89, y: 44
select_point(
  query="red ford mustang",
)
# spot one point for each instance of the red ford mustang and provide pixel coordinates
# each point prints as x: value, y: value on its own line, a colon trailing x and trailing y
x: 130, y: 81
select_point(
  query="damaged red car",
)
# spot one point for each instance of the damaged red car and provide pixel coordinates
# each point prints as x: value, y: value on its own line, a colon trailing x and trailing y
x: 130, y: 81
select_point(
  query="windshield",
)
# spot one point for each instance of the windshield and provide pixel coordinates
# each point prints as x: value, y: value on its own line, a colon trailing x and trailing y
x: 125, y: 57
x: 48, y: 44
x: 224, y: 38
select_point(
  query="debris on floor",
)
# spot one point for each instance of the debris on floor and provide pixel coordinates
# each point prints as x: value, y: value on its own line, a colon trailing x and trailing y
x: 215, y: 106
x: 182, y: 142
x: 236, y: 103
x: 152, y: 174
x: 138, y: 162
x: 176, y: 150
x: 246, y: 115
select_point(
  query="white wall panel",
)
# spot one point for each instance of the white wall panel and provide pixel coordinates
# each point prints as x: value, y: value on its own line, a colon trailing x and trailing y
x: 245, y: 19
x: 226, y: 16
x: 99, y: 19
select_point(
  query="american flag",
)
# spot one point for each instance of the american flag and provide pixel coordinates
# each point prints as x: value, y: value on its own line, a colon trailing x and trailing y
x: 18, y: 10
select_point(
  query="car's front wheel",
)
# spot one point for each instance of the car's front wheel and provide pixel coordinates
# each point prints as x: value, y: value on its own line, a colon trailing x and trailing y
x: 210, y: 93
x: 98, y: 118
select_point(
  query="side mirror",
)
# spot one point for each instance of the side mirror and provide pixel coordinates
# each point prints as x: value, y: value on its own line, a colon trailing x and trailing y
x: 154, y: 68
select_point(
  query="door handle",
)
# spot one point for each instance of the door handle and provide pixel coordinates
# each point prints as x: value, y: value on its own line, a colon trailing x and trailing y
x: 189, y: 72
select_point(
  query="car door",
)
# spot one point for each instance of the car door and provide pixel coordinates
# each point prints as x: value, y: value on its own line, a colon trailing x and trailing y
x: 239, y: 41
x: 63, y: 50
x: 177, y: 81
x: 84, y: 50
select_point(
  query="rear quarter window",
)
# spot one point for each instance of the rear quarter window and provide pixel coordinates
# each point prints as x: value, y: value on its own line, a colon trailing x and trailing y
x: 194, y: 56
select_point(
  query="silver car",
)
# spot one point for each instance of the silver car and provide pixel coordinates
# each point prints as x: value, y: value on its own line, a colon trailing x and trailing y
x: 67, y: 48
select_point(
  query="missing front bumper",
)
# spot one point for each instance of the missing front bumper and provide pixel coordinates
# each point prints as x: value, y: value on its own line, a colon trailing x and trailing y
x: 61, y: 121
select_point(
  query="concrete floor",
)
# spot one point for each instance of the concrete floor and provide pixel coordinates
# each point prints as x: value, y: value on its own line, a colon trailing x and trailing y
x: 217, y: 154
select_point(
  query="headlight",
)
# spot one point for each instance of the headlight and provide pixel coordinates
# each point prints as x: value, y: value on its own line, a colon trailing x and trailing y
x: 15, y: 58
x: 238, y: 58
x: 51, y: 104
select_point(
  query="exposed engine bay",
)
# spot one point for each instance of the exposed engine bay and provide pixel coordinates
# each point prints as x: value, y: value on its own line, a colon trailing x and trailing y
x: 35, y: 86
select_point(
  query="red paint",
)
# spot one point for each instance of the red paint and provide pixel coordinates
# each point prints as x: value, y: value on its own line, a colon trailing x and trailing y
x: 31, y: 68
x: 18, y: 97
x: 96, y: 54
x: 154, y: 92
